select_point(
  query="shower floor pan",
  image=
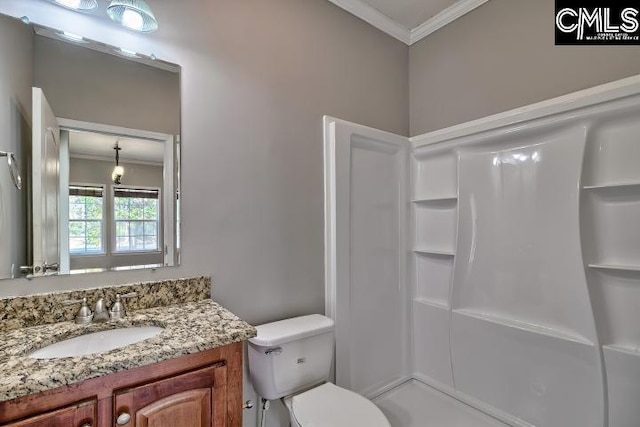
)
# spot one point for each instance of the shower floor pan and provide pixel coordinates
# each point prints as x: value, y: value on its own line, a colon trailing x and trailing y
x: 414, y: 404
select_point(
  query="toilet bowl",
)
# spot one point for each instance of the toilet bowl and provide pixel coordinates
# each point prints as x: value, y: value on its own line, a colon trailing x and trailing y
x: 331, y: 406
x: 291, y: 360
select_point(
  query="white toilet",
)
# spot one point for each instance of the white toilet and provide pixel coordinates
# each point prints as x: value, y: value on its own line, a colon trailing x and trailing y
x: 291, y: 359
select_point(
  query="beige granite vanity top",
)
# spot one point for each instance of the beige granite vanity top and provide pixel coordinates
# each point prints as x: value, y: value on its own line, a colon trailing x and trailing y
x: 189, y: 327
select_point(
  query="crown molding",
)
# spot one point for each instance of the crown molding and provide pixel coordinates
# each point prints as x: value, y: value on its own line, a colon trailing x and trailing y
x: 445, y: 17
x: 374, y: 17
x: 382, y: 22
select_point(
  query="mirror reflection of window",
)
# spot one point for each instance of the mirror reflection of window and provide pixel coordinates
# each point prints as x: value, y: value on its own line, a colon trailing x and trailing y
x: 86, y: 220
x: 137, y: 218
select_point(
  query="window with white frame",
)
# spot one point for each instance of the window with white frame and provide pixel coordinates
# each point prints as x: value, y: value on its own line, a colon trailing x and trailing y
x: 86, y: 204
x: 137, y: 219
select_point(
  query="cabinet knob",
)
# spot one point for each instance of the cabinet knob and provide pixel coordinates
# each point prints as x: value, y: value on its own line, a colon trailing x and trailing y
x: 86, y: 425
x: 123, y: 418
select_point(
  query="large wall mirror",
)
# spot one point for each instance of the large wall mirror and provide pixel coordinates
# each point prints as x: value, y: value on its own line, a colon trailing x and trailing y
x: 89, y: 155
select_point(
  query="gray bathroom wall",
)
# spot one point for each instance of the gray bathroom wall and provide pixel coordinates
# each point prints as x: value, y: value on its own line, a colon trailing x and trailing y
x: 257, y: 78
x: 16, y: 80
x: 502, y: 56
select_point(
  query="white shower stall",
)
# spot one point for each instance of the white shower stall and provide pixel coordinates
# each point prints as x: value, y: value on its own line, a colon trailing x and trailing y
x: 497, y: 261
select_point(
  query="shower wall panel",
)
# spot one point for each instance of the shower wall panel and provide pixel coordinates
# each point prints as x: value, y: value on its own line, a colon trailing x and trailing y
x: 512, y: 281
x: 544, y: 274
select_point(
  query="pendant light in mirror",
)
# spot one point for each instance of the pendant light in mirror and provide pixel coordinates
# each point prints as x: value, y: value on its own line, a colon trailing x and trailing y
x: 78, y: 4
x: 133, y: 14
x: 118, y: 171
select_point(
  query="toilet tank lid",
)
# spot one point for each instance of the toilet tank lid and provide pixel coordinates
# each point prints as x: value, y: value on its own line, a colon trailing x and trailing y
x: 284, y: 331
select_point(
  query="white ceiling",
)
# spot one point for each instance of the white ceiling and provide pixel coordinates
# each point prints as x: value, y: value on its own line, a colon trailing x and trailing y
x: 410, y: 13
x: 409, y: 20
x: 100, y: 147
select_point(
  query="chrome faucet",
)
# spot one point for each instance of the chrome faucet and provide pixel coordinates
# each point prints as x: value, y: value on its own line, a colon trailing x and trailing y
x: 100, y: 312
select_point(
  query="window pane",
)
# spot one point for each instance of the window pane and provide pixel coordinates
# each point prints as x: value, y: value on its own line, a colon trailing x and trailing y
x: 137, y: 243
x: 122, y: 244
x: 76, y: 244
x: 94, y: 235
x: 122, y: 228
x: 85, y: 214
x: 76, y: 228
x: 94, y: 209
x: 150, y: 228
x: 150, y: 243
x: 150, y: 209
x: 137, y: 213
x: 122, y: 208
x: 137, y: 228
x: 76, y: 211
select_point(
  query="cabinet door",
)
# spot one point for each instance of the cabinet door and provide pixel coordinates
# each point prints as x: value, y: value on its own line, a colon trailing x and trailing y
x: 195, y: 399
x: 79, y: 415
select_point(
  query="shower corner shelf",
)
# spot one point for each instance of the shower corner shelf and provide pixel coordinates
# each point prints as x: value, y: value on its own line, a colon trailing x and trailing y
x: 613, y: 185
x: 436, y: 199
x: 431, y: 303
x: 627, y: 349
x: 616, y: 267
x: 434, y: 252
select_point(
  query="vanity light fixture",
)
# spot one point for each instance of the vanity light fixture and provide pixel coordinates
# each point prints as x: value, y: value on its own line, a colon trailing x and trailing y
x: 118, y: 171
x: 84, y: 5
x: 133, y: 14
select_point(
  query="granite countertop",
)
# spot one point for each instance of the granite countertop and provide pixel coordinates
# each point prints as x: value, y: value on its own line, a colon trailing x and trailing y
x: 188, y: 328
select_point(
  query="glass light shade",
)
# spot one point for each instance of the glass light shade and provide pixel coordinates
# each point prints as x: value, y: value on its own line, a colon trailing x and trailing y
x: 133, y: 14
x: 117, y: 173
x: 78, y: 4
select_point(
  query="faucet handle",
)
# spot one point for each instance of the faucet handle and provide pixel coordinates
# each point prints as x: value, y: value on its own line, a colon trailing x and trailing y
x: 84, y: 315
x: 117, y: 310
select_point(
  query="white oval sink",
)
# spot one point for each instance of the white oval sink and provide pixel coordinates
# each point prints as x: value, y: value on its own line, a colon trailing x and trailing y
x: 97, y: 342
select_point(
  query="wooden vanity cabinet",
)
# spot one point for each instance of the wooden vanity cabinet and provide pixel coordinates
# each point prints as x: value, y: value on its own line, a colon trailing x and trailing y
x: 197, y: 390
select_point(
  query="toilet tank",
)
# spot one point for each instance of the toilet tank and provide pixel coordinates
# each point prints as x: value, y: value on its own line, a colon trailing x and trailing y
x: 291, y: 355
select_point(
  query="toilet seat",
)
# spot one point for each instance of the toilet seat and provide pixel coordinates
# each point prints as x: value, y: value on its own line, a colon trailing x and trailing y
x: 331, y: 406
